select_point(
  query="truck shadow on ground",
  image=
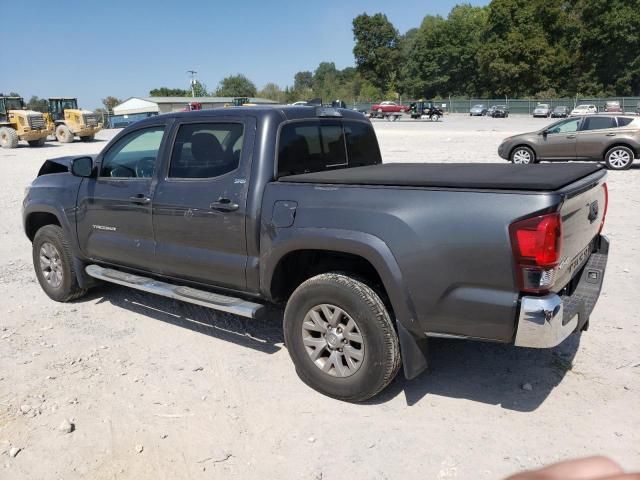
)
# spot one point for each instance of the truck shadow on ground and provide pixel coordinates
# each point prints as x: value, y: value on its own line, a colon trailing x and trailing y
x: 262, y: 334
x: 490, y: 373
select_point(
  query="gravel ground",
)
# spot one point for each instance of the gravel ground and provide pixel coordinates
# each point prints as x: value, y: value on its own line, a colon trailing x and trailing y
x: 132, y: 386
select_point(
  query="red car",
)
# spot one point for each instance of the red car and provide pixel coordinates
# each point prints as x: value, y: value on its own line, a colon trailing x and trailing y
x: 389, y: 107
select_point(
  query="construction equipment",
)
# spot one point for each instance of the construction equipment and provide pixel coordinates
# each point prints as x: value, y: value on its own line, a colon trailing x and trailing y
x: 17, y: 123
x: 68, y: 121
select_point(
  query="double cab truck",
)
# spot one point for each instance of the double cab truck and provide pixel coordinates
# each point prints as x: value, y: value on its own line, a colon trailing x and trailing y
x: 239, y: 208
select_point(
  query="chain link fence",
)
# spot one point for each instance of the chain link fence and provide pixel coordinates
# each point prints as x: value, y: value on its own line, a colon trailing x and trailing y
x: 516, y: 105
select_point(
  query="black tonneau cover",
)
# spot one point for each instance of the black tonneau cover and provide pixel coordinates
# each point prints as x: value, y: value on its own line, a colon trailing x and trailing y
x: 493, y: 176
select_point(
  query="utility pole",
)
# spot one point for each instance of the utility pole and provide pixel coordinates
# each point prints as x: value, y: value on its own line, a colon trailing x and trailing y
x: 193, y: 82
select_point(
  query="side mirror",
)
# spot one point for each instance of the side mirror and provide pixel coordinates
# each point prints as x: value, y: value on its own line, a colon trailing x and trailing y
x: 82, y: 167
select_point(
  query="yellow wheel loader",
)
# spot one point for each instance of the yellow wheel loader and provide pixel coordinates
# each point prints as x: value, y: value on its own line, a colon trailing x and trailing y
x: 17, y: 123
x: 68, y: 121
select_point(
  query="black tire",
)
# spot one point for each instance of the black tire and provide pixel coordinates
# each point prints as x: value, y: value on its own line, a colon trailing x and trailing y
x: 435, y: 117
x: 8, y: 137
x: 614, y: 158
x: 64, y: 134
x: 68, y: 289
x: 37, y: 143
x: 88, y: 138
x: 524, y: 151
x: 381, y: 357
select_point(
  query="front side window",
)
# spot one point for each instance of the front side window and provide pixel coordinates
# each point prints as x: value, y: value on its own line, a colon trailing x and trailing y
x: 566, y: 126
x: 599, y: 123
x: 134, y: 155
x: 206, y: 150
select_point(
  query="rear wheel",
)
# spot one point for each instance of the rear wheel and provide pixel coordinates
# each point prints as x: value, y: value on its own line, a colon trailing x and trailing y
x: 63, y: 134
x: 523, y: 155
x: 619, y: 158
x: 341, y: 338
x: 53, y: 264
x: 37, y: 143
x: 8, y: 137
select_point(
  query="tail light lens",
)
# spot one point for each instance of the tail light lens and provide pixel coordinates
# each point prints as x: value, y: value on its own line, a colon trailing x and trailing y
x: 537, y: 245
x: 606, y: 205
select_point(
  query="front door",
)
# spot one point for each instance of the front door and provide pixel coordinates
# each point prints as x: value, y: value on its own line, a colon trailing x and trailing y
x: 114, y: 210
x: 560, y: 141
x: 199, y: 203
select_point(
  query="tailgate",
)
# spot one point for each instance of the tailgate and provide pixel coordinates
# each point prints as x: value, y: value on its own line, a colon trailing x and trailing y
x: 582, y: 215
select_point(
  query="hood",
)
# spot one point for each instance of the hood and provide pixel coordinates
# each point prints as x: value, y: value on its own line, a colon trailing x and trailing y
x: 59, y: 164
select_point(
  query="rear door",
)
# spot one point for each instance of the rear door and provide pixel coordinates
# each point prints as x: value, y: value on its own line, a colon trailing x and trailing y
x: 560, y: 141
x: 199, y: 204
x: 596, y: 132
x: 114, y: 209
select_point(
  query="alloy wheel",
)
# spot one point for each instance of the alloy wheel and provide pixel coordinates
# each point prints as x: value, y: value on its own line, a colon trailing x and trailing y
x: 619, y: 158
x: 333, y: 340
x: 51, y: 264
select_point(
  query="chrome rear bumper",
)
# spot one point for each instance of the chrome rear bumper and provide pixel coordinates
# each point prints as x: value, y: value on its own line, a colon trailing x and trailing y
x: 545, y: 322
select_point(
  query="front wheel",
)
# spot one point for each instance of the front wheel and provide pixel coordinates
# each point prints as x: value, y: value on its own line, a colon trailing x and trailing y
x: 435, y: 117
x: 341, y: 338
x: 619, y: 158
x: 8, y: 137
x: 523, y: 155
x: 64, y: 134
x: 53, y: 264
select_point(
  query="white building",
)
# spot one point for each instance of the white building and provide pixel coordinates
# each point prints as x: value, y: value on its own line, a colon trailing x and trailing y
x: 156, y: 105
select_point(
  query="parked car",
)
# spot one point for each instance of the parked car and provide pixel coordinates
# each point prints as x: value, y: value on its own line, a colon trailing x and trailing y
x: 389, y: 107
x: 478, y: 110
x: 584, y: 110
x: 614, y: 139
x: 560, y: 112
x: 612, y: 107
x: 238, y: 209
x: 500, y: 111
x: 542, y: 110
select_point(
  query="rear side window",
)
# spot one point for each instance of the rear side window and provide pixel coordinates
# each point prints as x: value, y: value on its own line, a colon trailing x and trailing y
x: 599, y: 123
x: 206, y: 150
x: 624, y: 121
x: 315, y: 146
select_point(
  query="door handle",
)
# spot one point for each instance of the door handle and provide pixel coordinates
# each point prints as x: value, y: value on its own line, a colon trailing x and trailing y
x: 140, y: 198
x: 224, y: 205
x: 571, y: 136
x: 610, y: 135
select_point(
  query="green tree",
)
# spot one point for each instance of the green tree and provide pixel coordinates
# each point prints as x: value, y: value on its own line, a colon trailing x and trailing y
x: 199, y: 90
x: 236, y: 86
x: 377, y: 49
x: 111, y: 102
x: 272, y: 91
x: 169, y: 92
x: 303, y: 81
x: 38, y: 104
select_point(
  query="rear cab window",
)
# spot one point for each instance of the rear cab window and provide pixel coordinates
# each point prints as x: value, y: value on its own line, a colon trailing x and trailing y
x: 318, y: 145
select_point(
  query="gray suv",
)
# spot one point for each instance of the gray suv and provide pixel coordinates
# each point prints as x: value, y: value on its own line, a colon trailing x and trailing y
x: 614, y: 139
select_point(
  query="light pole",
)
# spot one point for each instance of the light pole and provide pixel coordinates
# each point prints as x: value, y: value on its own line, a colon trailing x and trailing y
x: 193, y: 82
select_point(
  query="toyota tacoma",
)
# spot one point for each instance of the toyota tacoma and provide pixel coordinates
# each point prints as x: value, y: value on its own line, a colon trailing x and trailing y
x: 238, y: 208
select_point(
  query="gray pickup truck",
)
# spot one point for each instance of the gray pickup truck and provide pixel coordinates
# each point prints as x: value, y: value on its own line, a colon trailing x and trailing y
x: 237, y: 208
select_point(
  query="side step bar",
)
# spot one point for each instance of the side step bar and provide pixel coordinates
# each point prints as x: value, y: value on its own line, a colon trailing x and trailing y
x: 215, y: 301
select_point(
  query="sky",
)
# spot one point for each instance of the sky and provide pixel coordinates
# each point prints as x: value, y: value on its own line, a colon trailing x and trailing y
x: 92, y: 49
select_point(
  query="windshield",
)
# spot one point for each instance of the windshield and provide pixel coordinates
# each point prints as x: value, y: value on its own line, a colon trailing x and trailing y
x: 582, y: 107
x: 543, y: 105
x: 559, y: 109
x: 14, y: 104
x: 478, y: 106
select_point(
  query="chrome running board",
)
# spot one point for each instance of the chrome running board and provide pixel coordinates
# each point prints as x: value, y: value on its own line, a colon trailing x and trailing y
x: 215, y: 301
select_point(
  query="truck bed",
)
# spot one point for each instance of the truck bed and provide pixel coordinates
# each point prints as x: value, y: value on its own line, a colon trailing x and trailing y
x: 490, y: 176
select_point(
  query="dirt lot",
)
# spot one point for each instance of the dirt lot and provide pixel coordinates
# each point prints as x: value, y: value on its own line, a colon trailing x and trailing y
x: 157, y: 389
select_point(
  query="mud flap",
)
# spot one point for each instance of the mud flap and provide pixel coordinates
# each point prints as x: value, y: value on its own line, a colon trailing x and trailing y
x: 413, y: 351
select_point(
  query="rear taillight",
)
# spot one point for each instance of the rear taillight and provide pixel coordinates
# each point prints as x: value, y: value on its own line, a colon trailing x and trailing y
x: 606, y: 205
x: 536, y: 243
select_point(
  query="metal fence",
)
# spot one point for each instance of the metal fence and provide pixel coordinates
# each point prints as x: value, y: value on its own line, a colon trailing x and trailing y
x: 516, y: 105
